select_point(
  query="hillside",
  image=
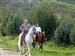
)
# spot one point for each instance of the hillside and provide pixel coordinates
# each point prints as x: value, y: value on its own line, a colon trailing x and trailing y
x: 68, y: 1
x: 59, y: 31
x: 24, y: 7
x: 18, y: 5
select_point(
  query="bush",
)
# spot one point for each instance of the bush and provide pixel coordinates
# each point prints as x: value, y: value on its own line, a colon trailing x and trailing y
x: 10, y: 25
x: 45, y: 17
x: 62, y: 33
x: 72, y: 35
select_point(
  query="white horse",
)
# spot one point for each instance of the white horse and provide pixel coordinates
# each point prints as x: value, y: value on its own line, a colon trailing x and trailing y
x: 28, y: 40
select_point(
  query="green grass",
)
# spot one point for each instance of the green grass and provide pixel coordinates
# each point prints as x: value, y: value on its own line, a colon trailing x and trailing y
x: 9, y: 42
x: 49, y: 48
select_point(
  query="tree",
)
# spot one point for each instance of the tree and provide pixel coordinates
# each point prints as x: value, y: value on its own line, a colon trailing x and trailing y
x: 45, y: 17
x: 72, y: 34
x: 62, y: 33
x: 10, y: 25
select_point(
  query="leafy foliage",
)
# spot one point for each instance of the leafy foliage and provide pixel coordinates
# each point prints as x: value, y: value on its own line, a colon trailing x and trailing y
x: 62, y: 33
x: 72, y: 35
x: 45, y: 17
x: 10, y: 25
x: 68, y: 1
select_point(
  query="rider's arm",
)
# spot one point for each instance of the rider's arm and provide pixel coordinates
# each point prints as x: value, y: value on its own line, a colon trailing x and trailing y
x: 28, y: 27
x: 40, y: 29
x: 22, y: 27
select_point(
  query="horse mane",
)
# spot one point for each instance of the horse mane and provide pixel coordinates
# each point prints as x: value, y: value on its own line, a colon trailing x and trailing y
x: 42, y: 34
x: 30, y: 29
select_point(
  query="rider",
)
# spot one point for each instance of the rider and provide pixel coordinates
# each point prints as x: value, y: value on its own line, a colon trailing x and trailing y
x: 38, y: 29
x: 24, y: 28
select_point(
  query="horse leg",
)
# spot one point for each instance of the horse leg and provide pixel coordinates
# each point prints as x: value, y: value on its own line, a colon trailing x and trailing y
x: 33, y: 43
x: 28, y: 47
x: 26, y: 53
x: 20, y: 43
x: 41, y: 46
x: 21, y: 47
x: 29, y: 51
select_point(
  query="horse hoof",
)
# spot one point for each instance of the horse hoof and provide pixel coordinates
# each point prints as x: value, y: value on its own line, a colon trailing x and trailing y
x: 25, y: 55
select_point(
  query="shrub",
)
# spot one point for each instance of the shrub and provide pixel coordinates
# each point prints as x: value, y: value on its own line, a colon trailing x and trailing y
x: 10, y: 25
x: 72, y: 35
x: 45, y: 17
x: 62, y: 33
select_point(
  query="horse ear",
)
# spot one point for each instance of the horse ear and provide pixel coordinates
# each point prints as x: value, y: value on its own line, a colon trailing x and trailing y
x: 44, y: 33
x: 33, y: 25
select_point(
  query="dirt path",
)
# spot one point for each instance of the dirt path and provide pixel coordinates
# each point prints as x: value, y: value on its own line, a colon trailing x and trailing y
x: 5, y: 52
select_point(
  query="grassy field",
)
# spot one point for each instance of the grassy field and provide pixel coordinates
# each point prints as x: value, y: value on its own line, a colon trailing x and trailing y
x: 49, y: 48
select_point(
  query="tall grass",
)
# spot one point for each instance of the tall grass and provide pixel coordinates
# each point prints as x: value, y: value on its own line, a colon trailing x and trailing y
x: 50, y: 49
x: 9, y: 42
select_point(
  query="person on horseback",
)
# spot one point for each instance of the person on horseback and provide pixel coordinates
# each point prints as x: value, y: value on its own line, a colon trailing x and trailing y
x: 38, y: 29
x: 25, y: 26
x: 24, y: 29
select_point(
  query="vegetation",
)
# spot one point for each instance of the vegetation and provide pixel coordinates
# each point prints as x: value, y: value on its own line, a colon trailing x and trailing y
x: 72, y: 35
x: 9, y: 42
x: 52, y: 15
x: 10, y: 25
x: 68, y: 1
x: 50, y: 49
x: 62, y: 34
x: 45, y: 17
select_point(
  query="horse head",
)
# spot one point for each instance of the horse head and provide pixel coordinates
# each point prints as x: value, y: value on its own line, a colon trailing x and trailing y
x: 32, y: 30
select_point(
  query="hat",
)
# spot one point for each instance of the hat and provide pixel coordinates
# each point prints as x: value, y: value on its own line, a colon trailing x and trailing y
x: 37, y: 25
x: 26, y: 20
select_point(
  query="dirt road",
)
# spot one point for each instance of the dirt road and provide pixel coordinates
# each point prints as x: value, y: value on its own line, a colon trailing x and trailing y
x: 5, y: 52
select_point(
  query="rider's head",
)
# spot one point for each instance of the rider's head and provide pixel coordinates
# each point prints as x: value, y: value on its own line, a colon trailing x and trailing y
x: 37, y: 25
x: 26, y: 21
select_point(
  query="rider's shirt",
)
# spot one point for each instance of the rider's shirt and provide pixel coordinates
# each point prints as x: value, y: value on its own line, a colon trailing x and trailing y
x: 25, y: 27
x: 38, y: 29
